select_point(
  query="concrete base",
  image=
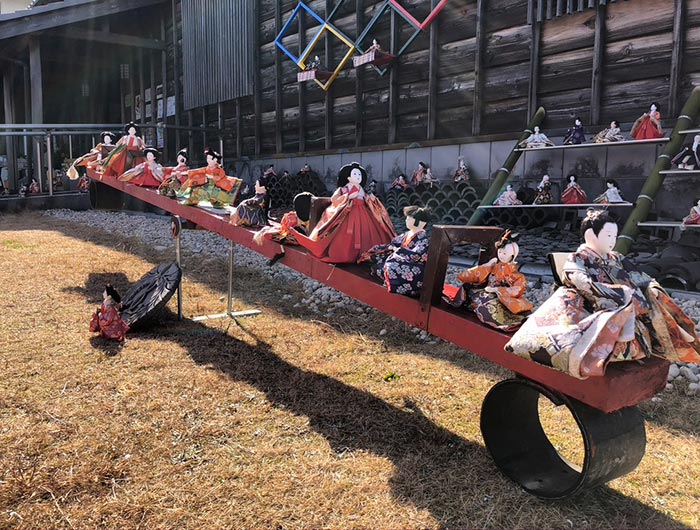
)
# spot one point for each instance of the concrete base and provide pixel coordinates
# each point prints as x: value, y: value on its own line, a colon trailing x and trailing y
x: 69, y: 199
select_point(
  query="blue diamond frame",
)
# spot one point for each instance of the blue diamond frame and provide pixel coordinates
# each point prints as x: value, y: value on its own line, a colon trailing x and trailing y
x: 278, y: 39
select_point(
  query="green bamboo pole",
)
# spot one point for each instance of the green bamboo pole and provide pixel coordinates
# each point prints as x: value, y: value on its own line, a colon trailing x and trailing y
x: 502, y: 174
x: 652, y: 185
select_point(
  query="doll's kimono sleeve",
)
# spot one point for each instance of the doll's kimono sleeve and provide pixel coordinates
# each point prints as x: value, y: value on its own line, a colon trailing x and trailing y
x: 476, y: 275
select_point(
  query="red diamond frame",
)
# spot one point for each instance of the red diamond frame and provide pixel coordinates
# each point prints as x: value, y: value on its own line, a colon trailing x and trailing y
x: 411, y: 19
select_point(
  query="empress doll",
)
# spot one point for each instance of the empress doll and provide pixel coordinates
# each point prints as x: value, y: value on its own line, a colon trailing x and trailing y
x: 423, y: 176
x: 576, y: 134
x: 536, y: 139
x: 693, y: 218
x: 544, y: 191
x: 508, y: 198
x: 174, y: 177
x: 127, y: 153
x: 605, y: 311
x: 209, y: 183
x: 253, y: 211
x: 573, y: 193
x: 399, y: 183
x: 353, y: 223
x: 648, y: 125
x: 94, y: 158
x: 462, y: 173
x: 495, y: 291
x: 611, y: 134
x: 611, y: 195
x: 107, y: 320
x: 401, y: 263
x: 148, y: 174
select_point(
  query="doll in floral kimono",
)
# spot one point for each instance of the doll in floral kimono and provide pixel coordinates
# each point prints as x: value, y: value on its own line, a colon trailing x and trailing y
x: 353, y: 223
x: 399, y: 183
x: 605, y: 311
x: 693, y: 218
x: 401, y: 263
x: 462, y: 173
x: 253, y: 211
x: 573, y: 193
x: 544, y: 191
x: 107, y: 320
x: 209, y: 183
x: 495, y: 291
x: 148, y: 174
x: 611, y: 134
x: 93, y: 159
x: 648, y: 125
x: 536, y: 139
x: 127, y: 153
x: 508, y: 198
x: 576, y: 134
x: 175, y: 177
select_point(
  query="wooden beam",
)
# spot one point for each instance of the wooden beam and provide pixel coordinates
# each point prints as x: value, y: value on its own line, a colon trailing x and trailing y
x: 395, y: 28
x: 8, y: 84
x: 36, y: 80
x: 257, y: 84
x: 478, y: 66
x: 433, y: 63
x: 535, y: 41
x: 59, y: 14
x: 176, y: 74
x: 164, y: 83
x: 142, y: 89
x: 239, y: 129
x: 154, y: 99
x: 190, y: 135
x: 328, y: 125
x: 677, y: 56
x: 598, y: 60
x: 114, y: 39
x: 279, y: 106
x: 359, y: 80
x: 302, y: 90
x: 132, y: 85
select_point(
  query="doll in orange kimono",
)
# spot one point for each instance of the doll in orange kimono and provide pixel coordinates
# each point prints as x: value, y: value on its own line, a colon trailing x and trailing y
x: 93, y: 159
x: 127, y: 154
x: 175, y: 177
x: 209, y: 183
x: 648, y: 125
x: 353, y: 223
x: 107, y: 320
x: 495, y: 291
x: 148, y: 174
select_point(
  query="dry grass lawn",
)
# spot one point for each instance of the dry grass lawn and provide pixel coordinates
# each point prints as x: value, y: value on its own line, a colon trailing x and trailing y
x: 282, y: 421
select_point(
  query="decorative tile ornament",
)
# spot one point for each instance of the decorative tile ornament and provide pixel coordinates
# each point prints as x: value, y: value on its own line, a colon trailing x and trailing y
x: 278, y: 39
x: 411, y: 19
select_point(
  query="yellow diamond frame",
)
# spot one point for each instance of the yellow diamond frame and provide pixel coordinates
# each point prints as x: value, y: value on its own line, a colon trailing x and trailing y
x: 312, y: 45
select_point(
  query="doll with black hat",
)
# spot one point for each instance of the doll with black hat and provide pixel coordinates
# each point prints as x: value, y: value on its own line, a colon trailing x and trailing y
x: 148, y: 174
x: 495, y: 291
x: 175, y: 176
x: 128, y: 153
x: 400, y: 264
x: 210, y: 183
x: 107, y: 319
x: 354, y: 222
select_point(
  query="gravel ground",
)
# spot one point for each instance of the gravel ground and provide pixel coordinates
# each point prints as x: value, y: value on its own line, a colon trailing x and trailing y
x: 326, y: 301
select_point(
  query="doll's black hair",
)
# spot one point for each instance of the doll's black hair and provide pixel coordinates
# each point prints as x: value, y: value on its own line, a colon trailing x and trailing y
x: 506, y: 238
x: 596, y: 219
x: 617, y: 123
x: 344, y: 173
x: 302, y: 205
x: 419, y: 213
x: 112, y: 292
x: 212, y: 153
x: 613, y: 182
x: 423, y: 165
x: 183, y: 152
x: 575, y: 177
x: 153, y: 150
x: 129, y: 126
x: 107, y: 133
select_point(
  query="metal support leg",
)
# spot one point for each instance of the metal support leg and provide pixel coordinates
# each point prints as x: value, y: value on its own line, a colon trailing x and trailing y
x: 178, y: 258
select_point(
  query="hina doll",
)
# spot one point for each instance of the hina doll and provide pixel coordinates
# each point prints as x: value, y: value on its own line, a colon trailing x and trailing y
x: 401, y: 263
x: 253, y: 211
x: 648, y: 125
x: 148, y: 174
x: 93, y: 159
x: 209, y: 183
x: 33, y: 188
x: 292, y: 223
x: 576, y: 134
x: 399, y: 183
x: 353, y: 223
x: 462, y: 173
x: 604, y: 311
x: 84, y: 184
x: 536, y: 139
x: 688, y: 157
x: 127, y: 153
x: 508, y: 198
x: 419, y: 174
x: 693, y: 218
x: 611, y: 195
x: 544, y: 191
x: 175, y: 177
x: 573, y: 193
x: 495, y: 291
x: 107, y: 320
x: 611, y: 134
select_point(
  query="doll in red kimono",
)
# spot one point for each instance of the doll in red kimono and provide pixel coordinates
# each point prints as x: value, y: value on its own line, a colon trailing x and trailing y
x: 648, y: 125
x: 93, y: 159
x: 148, y: 174
x: 174, y: 177
x: 128, y: 152
x: 107, y: 320
x: 573, y: 193
x: 353, y: 223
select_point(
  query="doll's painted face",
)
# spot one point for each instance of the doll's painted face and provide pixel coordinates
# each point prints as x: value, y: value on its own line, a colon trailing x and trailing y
x: 259, y: 188
x: 413, y: 225
x: 132, y: 131
x: 181, y: 160
x: 611, y: 185
x: 150, y: 156
x: 105, y: 295
x: 537, y: 129
x: 577, y: 122
x: 652, y: 108
x: 107, y: 139
x: 572, y: 178
x: 509, y: 187
x: 613, y: 124
x: 211, y: 160
x: 545, y: 178
x: 355, y: 176
x: 604, y: 242
x: 508, y: 253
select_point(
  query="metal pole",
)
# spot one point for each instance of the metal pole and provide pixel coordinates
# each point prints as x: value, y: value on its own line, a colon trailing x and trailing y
x: 49, y: 164
x: 38, y: 166
x: 176, y: 231
x: 70, y: 147
x: 230, y: 277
